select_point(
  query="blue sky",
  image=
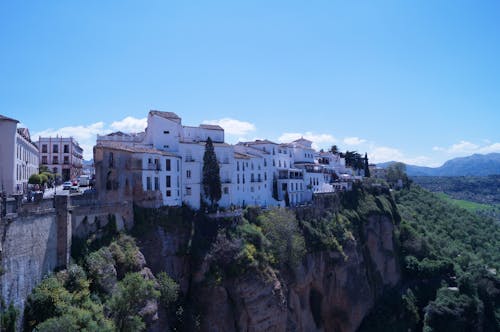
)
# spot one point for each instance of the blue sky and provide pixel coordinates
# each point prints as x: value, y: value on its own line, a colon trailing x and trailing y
x: 417, y: 81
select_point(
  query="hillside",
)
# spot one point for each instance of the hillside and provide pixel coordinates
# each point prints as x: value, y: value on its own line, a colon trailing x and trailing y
x: 367, y: 260
x: 449, y: 259
x: 475, y: 165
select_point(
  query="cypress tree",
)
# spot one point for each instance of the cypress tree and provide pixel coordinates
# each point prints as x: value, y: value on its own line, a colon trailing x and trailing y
x: 367, y: 168
x: 211, y: 174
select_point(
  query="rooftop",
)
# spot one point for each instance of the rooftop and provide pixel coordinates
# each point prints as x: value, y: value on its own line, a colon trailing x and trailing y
x: 4, y: 118
x: 166, y: 115
x: 134, y: 148
x: 211, y: 127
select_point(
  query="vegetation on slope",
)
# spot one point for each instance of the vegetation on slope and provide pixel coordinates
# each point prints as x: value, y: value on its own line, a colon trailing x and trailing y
x: 449, y: 258
x: 109, y: 291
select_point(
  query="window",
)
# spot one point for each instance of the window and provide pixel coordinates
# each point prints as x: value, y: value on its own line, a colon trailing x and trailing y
x: 166, y: 132
x: 188, y: 174
x: 238, y: 166
x: 274, y: 163
x: 252, y: 179
x: 44, y: 148
x: 226, y: 190
x: 111, y: 160
x: 148, y: 183
x: 55, y: 148
x: 66, y: 148
x: 168, y: 182
x: 157, y: 183
x: 188, y: 191
x: 66, y: 159
x: 44, y: 160
x: 167, y: 165
x: 265, y: 162
x: 168, y: 193
x: 55, y: 160
x: 238, y: 179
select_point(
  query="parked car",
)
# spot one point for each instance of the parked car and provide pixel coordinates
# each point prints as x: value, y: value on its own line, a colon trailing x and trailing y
x: 67, y: 185
x: 74, y: 190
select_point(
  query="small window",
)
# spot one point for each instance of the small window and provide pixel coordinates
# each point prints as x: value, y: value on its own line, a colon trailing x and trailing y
x: 168, y: 165
x: 157, y: 183
x: 188, y: 191
x: 44, y: 148
x: 166, y: 132
x: 55, y: 148
x: 168, y: 181
x: 66, y: 148
x: 168, y: 193
x: 188, y: 174
x: 226, y: 191
x: 148, y: 183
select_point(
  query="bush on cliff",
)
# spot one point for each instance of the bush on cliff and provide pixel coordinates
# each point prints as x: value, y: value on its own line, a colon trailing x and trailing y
x: 128, y: 300
x: 63, y: 303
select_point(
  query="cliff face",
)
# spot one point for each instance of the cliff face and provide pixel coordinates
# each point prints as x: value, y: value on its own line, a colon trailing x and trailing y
x: 327, y: 292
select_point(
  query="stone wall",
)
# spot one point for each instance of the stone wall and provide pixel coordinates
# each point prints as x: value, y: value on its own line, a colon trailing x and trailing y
x: 35, y: 238
x: 29, y: 252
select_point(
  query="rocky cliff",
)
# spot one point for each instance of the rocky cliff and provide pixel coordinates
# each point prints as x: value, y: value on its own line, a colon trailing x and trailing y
x: 330, y: 290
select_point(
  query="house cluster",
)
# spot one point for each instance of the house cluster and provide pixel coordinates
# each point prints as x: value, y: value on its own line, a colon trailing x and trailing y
x: 20, y: 157
x: 163, y: 166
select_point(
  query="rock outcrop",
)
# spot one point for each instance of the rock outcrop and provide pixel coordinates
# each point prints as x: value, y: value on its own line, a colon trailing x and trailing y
x: 329, y: 291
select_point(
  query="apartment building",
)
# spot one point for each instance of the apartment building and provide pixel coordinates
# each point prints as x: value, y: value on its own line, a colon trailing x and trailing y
x: 61, y: 155
x: 18, y: 157
x: 163, y: 166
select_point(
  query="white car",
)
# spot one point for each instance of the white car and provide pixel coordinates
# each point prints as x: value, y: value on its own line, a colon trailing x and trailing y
x: 67, y: 185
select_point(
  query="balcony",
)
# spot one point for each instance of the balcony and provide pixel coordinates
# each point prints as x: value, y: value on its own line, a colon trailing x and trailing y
x: 153, y: 167
x: 189, y: 159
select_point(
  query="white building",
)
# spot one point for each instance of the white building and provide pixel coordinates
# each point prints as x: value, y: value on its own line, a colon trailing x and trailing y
x: 261, y: 172
x: 18, y: 156
x: 61, y: 155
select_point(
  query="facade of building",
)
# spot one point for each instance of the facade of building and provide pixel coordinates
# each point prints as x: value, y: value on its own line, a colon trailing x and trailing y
x: 18, y: 157
x: 61, y: 155
x: 163, y: 166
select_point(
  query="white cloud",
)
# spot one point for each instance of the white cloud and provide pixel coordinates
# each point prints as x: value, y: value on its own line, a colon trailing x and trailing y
x: 319, y: 140
x: 353, y: 141
x: 86, y: 135
x: 130, y: 125
x: 233, y: 126
x: 465, y: 148
x: 379, y: 154
x: 384, y: 153
x: 495, y: 147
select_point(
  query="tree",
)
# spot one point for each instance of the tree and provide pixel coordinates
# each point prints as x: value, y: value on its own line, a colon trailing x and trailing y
x: 130, y: 297
x: 281, y: 228
x: 211, y: 174
x: 169, y: 289
x: 35, y: 179
x: 367, y: 168
x: 334, y: 149
x: 396, y: 172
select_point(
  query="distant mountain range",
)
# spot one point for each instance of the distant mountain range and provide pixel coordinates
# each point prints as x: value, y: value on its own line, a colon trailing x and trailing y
x: 477, y: 164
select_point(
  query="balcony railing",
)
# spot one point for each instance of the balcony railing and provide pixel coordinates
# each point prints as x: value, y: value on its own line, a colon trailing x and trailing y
x: 189, y: 160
